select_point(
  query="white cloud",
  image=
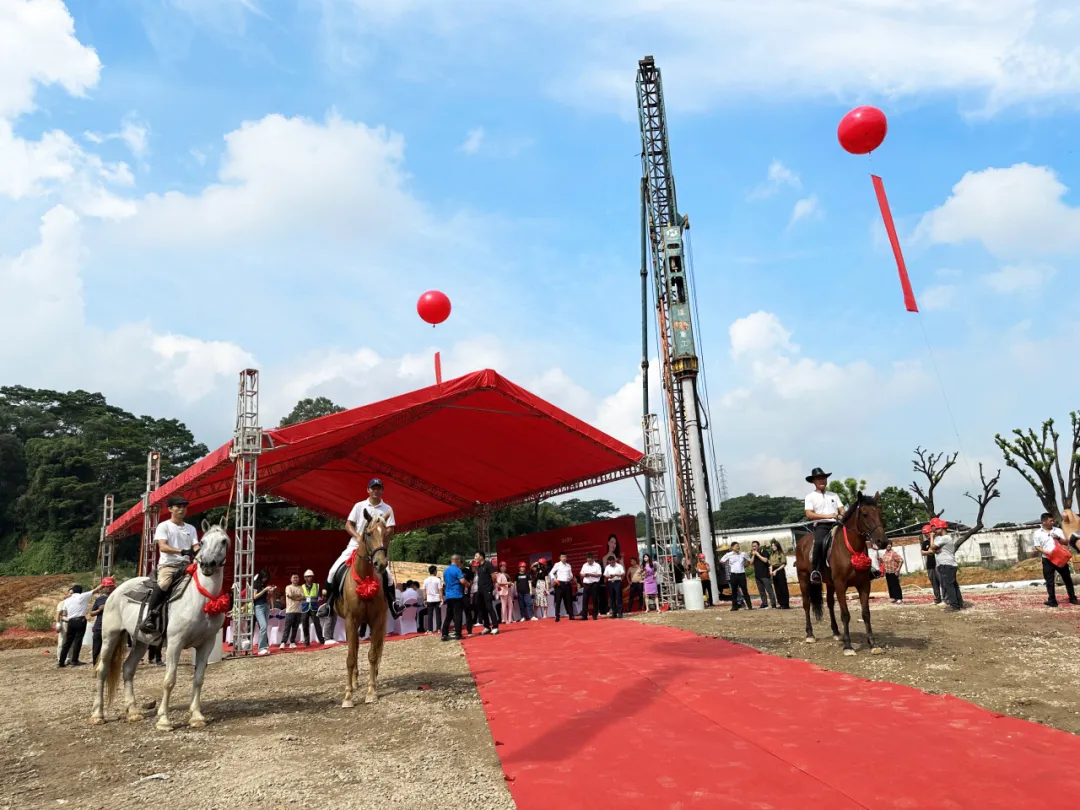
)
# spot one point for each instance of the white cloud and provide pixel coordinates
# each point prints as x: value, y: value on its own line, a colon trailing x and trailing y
x: 766, y: 475
x: 806, y: 208
x: 759, y: 333
x: 940, y: 296
x: 1019, y: 278
x: 778, y: 176
x: 1013, y: 212
x: 473, y: 141
x: 133, y: 132
x: 287, y: 175
x: 1001, y: 51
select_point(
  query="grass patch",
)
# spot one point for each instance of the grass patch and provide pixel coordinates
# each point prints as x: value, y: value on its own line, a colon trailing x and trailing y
x: 4, y: 625
x: 39, y: 620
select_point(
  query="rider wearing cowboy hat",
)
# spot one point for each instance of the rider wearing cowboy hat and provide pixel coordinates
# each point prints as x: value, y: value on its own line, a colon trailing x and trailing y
x: 355, y: 525
x: 177, y: 543
x: 823, y: 510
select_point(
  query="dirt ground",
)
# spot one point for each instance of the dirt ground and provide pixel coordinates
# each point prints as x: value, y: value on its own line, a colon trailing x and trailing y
x: 278, y: 737
x: 1006, y: 652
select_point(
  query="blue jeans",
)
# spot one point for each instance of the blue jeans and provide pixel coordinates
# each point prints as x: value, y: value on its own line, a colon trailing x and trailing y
x: 262, y: 618
x: 525, y: 605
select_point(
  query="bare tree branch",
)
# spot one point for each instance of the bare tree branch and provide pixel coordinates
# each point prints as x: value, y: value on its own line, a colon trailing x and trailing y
x: 1038, y: 454
x: 989, y: 492
x: 926, y: 464
x: 1069, y: 489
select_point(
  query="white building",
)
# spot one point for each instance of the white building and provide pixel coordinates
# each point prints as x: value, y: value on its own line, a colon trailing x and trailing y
x: 786, y: 533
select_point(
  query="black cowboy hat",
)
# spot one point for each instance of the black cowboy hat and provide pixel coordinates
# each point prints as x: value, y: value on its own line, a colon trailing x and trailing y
x: 178, y: 500
x: 817, y: 472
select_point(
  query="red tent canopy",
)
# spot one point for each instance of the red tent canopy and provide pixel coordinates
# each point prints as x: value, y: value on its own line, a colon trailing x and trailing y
x: 443, y: 453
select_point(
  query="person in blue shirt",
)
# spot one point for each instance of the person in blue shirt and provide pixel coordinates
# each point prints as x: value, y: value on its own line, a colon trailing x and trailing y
x: 454, y: 593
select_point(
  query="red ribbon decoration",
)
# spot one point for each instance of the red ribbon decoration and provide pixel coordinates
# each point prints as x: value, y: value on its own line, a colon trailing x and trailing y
x: 215, y: 605
x: 860, y: 560
x: 366, y: 587
x: 890, y: 228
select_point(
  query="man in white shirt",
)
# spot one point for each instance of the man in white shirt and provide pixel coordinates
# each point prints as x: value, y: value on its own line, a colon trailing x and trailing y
x: 823, y: 510
x: 561, y: 574
x: 1049, y: 542
x: 177, y: 543
x: 433, y: 599
x: 590, y: 581
x: 944, y: 547
x: 75, y: 607
x: 355, y: 524
x: 613, y: 575
x: 735, y: 561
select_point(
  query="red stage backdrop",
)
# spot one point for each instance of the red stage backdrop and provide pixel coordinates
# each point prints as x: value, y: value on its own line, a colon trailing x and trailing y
x: 292, y: 552
x: 575, y: 542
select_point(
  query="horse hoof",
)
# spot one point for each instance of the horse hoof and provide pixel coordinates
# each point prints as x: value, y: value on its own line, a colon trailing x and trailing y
x: 371, y: 698
x: 849, y: 652
x: 877, y: 651
x: 97, y: 721
x: 197, y: 724
x: 810, y: 640
x: 347, y: 704
x: 163, y: 725
x: 135, y: 718
x: 837, y: 637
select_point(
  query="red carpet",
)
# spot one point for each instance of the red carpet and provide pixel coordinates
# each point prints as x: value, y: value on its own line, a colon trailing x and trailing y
x: 619, y: 714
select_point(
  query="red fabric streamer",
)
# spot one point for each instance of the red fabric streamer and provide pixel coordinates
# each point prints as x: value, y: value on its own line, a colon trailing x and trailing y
x: 860, y: 560
x: 366, y: 587
x: 215, y: 605
x: 890, y: 228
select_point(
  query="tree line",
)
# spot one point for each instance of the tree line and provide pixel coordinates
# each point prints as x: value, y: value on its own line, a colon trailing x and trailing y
x: 62, y: 452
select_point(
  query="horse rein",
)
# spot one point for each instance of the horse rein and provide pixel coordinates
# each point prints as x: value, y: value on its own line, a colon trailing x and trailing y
x: 385, y: 549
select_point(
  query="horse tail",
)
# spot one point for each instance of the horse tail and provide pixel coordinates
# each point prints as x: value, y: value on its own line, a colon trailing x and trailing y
x: 813, y: 593
x: 114, y: 668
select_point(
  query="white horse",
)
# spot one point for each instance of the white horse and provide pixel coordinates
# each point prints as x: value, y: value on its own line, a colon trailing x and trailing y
x: 189, y: 626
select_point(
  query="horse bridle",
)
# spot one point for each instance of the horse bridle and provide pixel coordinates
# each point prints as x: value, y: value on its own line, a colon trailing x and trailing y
x: 371, y: 554
x: 867, y: 536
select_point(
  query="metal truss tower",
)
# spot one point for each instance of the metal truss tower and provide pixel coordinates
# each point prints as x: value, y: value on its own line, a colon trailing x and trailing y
x: 106, y: 545
x: 147, y: 557
x: 247, y: 445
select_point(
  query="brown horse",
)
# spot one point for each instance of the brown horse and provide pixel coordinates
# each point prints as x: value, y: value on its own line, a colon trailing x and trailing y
x: 362, y: 602
x: 858, y: 528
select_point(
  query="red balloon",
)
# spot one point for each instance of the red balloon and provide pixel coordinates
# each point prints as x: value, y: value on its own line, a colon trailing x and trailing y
x: 433, y: 307
x: 862, y: 130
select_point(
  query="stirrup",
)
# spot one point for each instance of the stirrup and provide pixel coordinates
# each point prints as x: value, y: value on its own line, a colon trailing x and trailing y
x: 815, y: 577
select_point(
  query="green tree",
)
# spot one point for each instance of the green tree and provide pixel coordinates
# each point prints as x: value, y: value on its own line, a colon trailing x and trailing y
x: 847, y: 489
x: 307, y: 409
x: 750, y: 510
x: 899, y: 509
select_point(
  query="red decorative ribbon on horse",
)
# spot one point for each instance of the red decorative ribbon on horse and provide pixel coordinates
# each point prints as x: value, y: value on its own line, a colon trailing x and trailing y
x: 215, y: 605
x: 366, y: 587
x: 860, y: 560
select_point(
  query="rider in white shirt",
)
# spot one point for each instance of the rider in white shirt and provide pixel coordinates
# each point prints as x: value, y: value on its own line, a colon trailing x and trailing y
x: 355, y: 525
x: 177, y: 543
x: 823, y: 510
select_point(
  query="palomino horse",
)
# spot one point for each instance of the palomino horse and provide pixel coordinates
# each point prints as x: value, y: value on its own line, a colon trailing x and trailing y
x: 848, y: 565
x: 362, y: 602
x: 195, y: 619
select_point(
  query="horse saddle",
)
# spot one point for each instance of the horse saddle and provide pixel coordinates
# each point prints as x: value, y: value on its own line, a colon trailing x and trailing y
x: 140, y: 595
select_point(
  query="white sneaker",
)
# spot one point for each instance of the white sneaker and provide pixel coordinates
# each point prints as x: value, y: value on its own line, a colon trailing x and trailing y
x: 495, y: 632
x: 264, y: 652
x: 534, y: 619
x: 292, y: 646
x: 485, y: 631
x: 330, y: 641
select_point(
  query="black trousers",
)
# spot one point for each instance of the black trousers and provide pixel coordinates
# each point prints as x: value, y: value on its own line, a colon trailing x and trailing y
x: 311, y: 617
x: 96, y: 645
x: 706, y: 590
x: 1049, y: 570
x: 454, y: 609
x: 486, y: 606
x: 292, y: 625
x: 950, y: 589
x: 614, y: 598
x: 893, y: 581
x: 591, y: 594
x: 637, y: 592
x: 821, y: 536
x: 432, y: 615
x: 935, y: 583
x: 564, y: 597
x: 738, y: 582
x: 76, y: 627
x: 779, y: 581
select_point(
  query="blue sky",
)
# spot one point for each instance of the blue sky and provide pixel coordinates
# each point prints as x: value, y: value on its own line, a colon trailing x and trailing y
x: 321, y: 163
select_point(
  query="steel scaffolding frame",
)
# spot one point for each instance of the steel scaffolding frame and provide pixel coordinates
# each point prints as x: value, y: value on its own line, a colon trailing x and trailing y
x: 660, y: 514
x: 147, y: 558
x: 247, y: 445
x: 106, y: 545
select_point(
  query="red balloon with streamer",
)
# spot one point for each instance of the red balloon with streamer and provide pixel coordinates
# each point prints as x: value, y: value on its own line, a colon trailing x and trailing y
x: 862, y: 130
x: 433, y: 307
